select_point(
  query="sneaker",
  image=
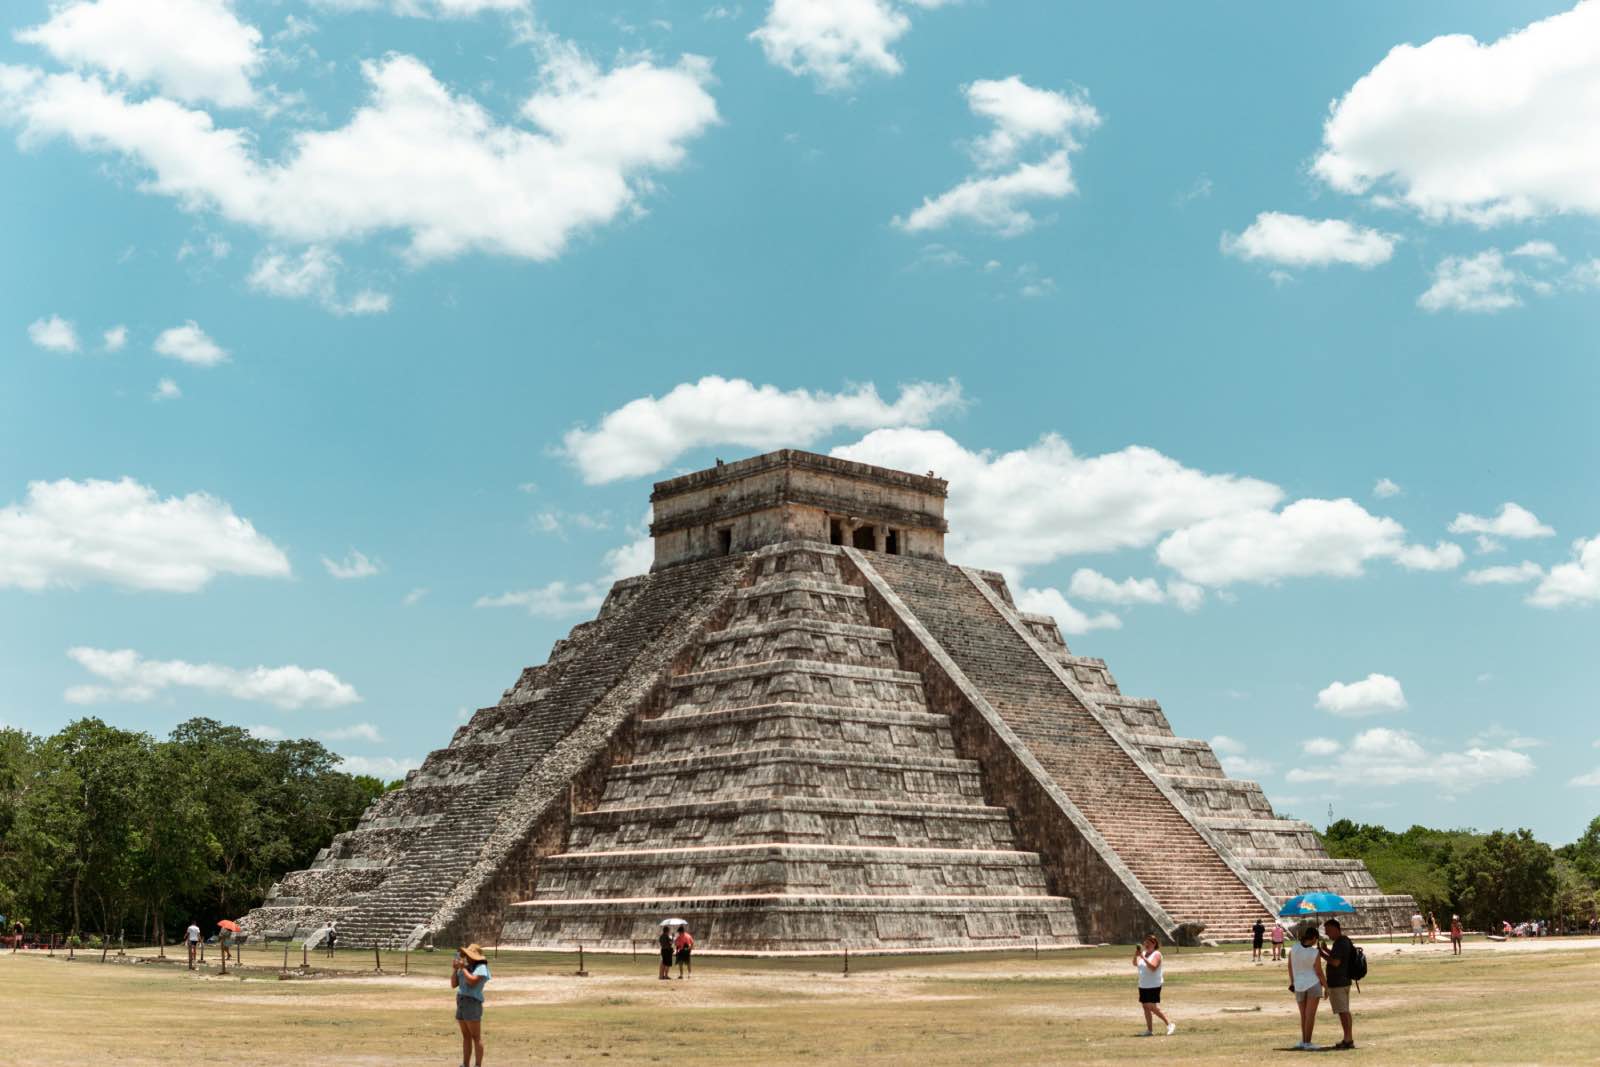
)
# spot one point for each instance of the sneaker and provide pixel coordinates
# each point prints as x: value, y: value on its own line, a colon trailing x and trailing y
x: 1172, y: 1028
x: 1147, y: 1033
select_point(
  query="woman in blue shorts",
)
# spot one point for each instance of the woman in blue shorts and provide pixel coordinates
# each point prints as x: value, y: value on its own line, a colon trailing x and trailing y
x: 469, y: 971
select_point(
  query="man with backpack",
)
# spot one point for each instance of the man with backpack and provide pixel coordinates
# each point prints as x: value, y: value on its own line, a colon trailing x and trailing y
x: 1345, y: 964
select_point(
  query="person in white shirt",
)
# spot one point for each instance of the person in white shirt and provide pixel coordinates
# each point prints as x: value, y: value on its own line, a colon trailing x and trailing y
x: 192, y: 937
x: 1416, y: 928
x: 1147, y: 958
x: 1306, y: 982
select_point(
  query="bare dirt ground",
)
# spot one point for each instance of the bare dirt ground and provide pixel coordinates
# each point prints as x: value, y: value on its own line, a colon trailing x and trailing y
x: 1518, y: 1002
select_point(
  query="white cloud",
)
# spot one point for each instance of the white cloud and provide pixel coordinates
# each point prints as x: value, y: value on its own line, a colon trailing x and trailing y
x: 54, y: 334
x: 115, y: 338
x: 1024, y: 118
x: 193, y: 50
x: 313, y: 275
x: 1457, y: 129
x: 69, y: 533
x: 1472, y: 283
x: 360, y: 731
x: 1090, y: 584
x: 166, y: 389
x: 1308, y: 537
x: 414, y: 597
x: 1499, y: 735
x: 355, y: 565
x: 214, y: 246
x: 386, y: 767
x: 1383, y: 757
x: 1320, y: 746
x: 1231, y: 754
x: 1296, y: 241
x: 1443, y: 556
x: 1011, y: 510
x: 833, y: 41
x: 1525, y: 571
x: 128, y: 676
x: 1069, y: 617
x: 646, y: 434
x: 265, y: 733
x: 190, y: 344
x: 415, y: 158
x: 1537, y: 250
x: 1386, y: 488
x: 428, y: 8
x: 1373, y: 694
x: 1590, y: 779
x: 1514, y: 521
x: 1576, y: 582
x: 563, y: 599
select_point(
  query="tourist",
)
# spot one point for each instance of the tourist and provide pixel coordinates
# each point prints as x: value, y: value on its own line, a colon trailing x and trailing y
x: 1433, y: 929
x: 192, y: 937
x: 667, y: 947
x: 1258, y: 934
x: 683, y: 947
x: 1306, y: 982
x: 1277, y: 940
x: 16, y: 935
x: 1455, y: 935
x: 225, y: 938
x: 1147, y: 958
x: 1416, y: 928
x: 1340, y: 957
x: 468, y: 973
x: 333, y: 935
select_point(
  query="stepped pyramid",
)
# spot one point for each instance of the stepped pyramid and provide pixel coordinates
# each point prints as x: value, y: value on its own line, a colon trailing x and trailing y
x: 802, y: 730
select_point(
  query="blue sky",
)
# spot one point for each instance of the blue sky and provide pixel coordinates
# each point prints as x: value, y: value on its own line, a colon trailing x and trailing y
x: 341, y: 341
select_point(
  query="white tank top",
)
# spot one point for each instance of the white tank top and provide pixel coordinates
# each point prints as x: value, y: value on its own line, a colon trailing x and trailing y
x: 1150, y: 977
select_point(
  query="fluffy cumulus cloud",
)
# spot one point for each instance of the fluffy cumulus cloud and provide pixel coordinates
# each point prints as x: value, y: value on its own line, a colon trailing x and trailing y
x: 1309, y: 537
x: 1514, y: 521
x: 115, y: 338
x: 1382, y: 757
x: 1296, y: 241
x: 1236, y: 760
x: 197, y: 51
x: 563, y: 599
x: 646, y: 434
x: 1525, y: 571
x: 1472, y: 283
x: 1032, y: 506
x: 1372, y: 695
x: 1320, y: 746
x: 1071, y: 618
x: 355, y: 565
x: 415, y: 158
x: 190, y: 344
x: 358, y: 731
x: 53, y: 334
x: 313, y: 274
x: 1025, y: 120
x: 428, y: 8
x: 69, y: 533
x: 1456, y: 128
x: 1088, y: 584
x: 1386, y: 488
x: 125, y: 675
x: 166, y: 389
x: 1575, y: 582
x: 386, y: 767
x: 836, y: 42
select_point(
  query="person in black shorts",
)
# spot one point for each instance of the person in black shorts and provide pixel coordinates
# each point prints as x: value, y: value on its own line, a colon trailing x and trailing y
x: 1258, y: 935
x: 666, y: 944
x: 683, y: 944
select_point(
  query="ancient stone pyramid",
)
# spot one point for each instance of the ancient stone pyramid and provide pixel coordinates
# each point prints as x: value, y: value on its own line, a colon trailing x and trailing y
x: 803, y: 730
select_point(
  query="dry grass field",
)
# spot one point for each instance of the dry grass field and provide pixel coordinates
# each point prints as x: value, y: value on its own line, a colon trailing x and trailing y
x: 1516, y: 1003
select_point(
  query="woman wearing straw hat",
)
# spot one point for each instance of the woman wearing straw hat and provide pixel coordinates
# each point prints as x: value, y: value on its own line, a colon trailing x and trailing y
x: 468, y: 972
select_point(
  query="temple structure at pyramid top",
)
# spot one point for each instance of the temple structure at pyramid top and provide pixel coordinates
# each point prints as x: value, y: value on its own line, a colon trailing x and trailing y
x: 804, y: 730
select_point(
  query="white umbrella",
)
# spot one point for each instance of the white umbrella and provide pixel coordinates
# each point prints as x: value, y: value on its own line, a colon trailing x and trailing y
x: 674, y: 922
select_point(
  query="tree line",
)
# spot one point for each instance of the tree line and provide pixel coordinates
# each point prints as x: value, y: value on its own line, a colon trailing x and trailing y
x: 1487, y: 879
x: 104, y: 830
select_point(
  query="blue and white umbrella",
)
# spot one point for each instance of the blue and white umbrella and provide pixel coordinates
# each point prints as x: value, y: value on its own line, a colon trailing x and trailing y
x: 1309, y: 905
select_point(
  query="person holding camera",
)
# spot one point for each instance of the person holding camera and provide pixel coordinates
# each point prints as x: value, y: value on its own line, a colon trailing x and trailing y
x: 468, y: 973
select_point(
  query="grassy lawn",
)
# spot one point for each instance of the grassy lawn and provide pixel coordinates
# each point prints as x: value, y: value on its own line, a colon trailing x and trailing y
x: 1496, y: 1004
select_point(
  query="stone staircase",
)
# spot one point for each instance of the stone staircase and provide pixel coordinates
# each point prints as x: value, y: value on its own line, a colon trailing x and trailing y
x: 1165, y: 847
x: 795, y: 793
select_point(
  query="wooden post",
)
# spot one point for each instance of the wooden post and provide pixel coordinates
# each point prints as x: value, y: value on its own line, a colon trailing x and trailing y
x: 224, y: 962
x: 305, y: 963
x: 405, y: 961
x: 105, y: 946
x: 1036, y: 948
x: 847, y: 959
x: 581, y: 972
x: 377, y: 964
x: 70, y: 947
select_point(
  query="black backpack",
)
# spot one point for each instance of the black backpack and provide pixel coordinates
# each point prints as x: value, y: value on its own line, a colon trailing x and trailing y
x: 1358, y: 964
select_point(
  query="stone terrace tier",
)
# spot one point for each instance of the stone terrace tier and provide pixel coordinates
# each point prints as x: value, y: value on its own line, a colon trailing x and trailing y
x: 795, y: 793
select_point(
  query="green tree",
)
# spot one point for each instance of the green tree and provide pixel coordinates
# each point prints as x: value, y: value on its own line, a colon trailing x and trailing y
x: 1506, y: 876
